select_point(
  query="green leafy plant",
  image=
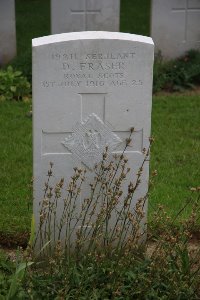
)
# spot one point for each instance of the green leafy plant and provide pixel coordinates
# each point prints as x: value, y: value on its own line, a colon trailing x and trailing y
x: 6, y: 271
x: 178, y: 74
x: 16, y: 280
x: 13, y: 86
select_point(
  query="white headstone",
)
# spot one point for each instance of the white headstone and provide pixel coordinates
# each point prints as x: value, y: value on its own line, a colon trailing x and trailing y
x: 84, y: 15
x: 7, y: 31
x: 175, y: 26
x: 81, y: 83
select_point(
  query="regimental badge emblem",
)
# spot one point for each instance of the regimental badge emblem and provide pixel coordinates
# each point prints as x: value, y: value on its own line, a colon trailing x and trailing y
x: 89, y: 140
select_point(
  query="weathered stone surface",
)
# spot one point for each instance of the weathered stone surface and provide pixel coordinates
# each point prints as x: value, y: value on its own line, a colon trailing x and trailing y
x: 7, y: 31
x: 84, y: 15
x: 175, y: 26
x: 89, y: 89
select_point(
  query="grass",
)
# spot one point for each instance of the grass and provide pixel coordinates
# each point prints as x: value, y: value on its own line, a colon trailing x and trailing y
x: 6, y: 270
x: 15, y: 166
x: 175, y: 155
x: 32, y: 20
x: 135, y: 16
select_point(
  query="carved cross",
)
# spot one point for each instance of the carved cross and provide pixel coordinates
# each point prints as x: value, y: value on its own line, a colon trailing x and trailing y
x: 186, y: 10
x: 93, y: 134
x: 85, y: 12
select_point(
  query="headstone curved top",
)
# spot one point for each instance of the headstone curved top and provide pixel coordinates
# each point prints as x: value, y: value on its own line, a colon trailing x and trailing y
x: 83, y: 15
x: 89, y: 89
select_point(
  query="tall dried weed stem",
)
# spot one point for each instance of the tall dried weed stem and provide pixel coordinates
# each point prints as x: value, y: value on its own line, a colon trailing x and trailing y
x: 96, y: 252
x: 106, y: 219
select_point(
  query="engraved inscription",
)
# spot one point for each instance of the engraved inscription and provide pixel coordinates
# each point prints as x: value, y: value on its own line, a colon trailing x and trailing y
x: 94, y: 56
x: 89, y: 139
x: 94, y: 69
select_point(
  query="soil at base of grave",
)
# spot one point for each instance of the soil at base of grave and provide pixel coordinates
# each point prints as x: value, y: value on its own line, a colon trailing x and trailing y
x: 12, y: 241
x: 185, y: 92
